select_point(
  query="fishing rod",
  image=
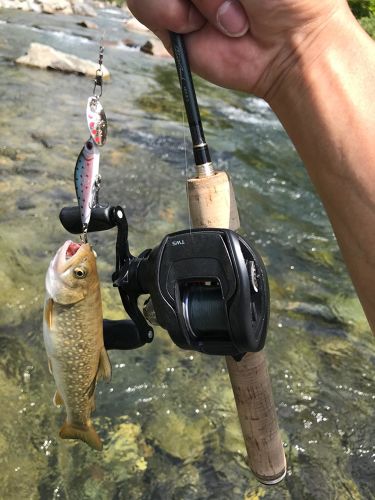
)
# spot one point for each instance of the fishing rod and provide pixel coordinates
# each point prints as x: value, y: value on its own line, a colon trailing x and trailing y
x: 208, y: 289
x: 212, y: 203
x: 202, y: 157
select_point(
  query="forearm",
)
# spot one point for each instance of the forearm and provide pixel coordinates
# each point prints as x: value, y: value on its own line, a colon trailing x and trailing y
x: 327, y: 105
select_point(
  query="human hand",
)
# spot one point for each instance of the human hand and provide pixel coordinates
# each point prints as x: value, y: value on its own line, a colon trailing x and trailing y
x: 247, y: 45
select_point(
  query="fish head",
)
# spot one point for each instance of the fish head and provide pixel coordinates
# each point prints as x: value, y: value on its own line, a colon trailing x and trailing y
x: 72, y: 273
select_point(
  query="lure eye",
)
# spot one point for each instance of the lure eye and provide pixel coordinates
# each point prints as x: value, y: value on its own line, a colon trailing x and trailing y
x: 80, y: 273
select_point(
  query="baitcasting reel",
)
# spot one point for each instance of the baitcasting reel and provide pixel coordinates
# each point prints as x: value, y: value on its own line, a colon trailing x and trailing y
x: 208, y: 287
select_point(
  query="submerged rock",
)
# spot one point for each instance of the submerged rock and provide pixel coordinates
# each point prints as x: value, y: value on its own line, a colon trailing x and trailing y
x: 187, y: 440
x: 127, y: 453
x: 45, y: 57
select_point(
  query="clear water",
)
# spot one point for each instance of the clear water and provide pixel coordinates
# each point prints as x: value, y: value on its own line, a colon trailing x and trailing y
x: 168, y: 419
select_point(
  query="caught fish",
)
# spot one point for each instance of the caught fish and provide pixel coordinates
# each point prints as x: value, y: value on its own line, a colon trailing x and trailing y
x: 96, y: 120
x: 86, y: 180
x: 73, y: 337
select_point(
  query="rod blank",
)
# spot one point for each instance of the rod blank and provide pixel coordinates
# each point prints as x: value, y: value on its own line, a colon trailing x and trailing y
x: 201, y: 152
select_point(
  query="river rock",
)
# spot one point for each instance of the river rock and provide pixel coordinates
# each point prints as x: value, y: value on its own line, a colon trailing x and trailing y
x: 155, y: 48
x: 83, y: 9
x: 25, y: 5
x: 89, y: 25
x: 133, y: 24
x: 51, y: 6
x: 45, y: 57
x: 58, y: 6
x: 179, y: 436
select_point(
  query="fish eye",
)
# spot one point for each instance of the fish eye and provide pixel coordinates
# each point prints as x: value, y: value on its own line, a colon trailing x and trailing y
x: 79, y: 273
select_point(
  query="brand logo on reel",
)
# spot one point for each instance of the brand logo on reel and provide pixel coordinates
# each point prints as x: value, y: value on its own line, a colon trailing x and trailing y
x: 178, y: 242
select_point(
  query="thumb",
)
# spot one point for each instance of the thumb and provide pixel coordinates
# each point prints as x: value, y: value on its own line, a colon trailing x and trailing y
x: 231, y: 18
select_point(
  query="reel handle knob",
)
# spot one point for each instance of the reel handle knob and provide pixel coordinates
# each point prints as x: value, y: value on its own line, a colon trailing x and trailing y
x: 102, y: 218
x: 122, y: 334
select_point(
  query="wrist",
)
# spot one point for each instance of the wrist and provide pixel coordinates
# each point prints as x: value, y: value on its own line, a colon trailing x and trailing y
x: 311, y: 54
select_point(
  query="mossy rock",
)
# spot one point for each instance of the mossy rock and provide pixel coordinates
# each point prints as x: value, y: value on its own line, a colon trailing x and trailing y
x: 176, y: 435
x: 127, y: 452
x: 348, y: 310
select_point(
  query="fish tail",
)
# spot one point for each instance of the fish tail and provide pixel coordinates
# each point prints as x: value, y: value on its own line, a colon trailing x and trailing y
x: 85, y: 433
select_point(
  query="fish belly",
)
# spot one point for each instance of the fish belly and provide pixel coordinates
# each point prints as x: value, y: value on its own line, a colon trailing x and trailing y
x: 74, y: 347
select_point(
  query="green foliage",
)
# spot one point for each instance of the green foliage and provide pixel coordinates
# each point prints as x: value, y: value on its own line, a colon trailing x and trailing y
x: 368, y: 23
x: 119, y: 3
x: 362, y: 8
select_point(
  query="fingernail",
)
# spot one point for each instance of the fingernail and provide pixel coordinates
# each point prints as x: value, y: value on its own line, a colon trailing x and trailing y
x: 231, y: 18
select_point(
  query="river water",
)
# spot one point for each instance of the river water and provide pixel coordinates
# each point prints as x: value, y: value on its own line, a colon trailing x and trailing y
x: 167, y: 418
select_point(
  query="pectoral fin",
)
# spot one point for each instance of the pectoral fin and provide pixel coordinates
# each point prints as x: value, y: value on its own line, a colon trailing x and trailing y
x: 86, y: 433
x: 48, y: 310
x: 105, y: 369
x: 50, y: 366
x: 57, y: 399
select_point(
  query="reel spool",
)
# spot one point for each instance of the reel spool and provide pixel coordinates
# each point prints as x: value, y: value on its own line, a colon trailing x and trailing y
x: 208, y: 287
x: 203, y: 310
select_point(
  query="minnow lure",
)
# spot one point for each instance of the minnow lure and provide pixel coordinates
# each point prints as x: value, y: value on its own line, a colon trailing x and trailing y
x: 86, y: 180
x: 96, y: 120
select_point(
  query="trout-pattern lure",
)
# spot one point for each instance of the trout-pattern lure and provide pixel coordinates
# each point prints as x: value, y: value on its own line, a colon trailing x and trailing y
x: 87, y: 181
x: 86, y: 173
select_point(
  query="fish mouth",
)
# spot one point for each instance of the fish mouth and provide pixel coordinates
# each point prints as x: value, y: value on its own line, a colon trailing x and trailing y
x: 69, y: 252
x: 72, y: 249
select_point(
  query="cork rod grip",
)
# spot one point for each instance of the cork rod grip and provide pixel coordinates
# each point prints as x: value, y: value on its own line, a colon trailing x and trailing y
x: 212, y: 204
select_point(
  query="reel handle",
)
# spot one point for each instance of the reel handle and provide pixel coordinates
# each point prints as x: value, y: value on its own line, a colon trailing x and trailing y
x: 121, y: 334
x: 102, y: 218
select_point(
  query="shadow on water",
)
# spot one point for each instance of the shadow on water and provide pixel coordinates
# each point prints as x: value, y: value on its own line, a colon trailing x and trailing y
x: 167, y: 418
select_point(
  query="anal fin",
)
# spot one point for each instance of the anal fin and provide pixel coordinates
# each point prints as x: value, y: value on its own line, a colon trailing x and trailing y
x: 104, y: 369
